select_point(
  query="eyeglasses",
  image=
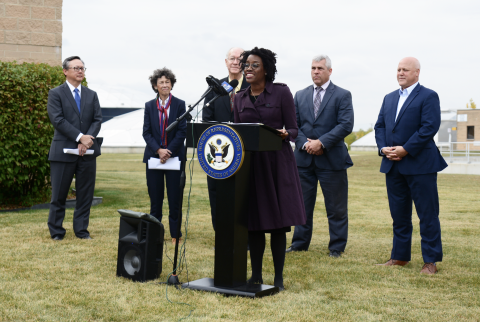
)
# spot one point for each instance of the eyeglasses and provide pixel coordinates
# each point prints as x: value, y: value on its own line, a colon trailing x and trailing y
x: 233, y: 59
x: 254, y: 66
x: 78, y: 69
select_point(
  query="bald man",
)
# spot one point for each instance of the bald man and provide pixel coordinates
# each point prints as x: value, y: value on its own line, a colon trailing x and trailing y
x: 222, y: 110
x: 408, y: 121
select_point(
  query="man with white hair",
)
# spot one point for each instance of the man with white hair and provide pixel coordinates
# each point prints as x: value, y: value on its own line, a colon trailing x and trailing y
x: 324, y: 118
x: 222, y: 110
x: 407, y: 123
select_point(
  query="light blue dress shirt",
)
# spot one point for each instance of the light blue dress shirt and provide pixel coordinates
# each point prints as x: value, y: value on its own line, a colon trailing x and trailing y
x: 403, y: 97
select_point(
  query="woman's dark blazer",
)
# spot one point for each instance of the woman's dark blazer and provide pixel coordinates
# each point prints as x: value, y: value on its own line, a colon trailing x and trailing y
x: 152, y: 133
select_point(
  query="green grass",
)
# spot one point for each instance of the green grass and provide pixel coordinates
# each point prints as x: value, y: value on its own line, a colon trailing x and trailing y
x: 74, y: 280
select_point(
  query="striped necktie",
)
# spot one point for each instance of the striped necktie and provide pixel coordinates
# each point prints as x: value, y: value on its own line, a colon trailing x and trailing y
x: 317, y: 101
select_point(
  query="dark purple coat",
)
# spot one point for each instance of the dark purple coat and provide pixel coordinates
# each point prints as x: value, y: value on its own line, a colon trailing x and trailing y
x: 275, y: 192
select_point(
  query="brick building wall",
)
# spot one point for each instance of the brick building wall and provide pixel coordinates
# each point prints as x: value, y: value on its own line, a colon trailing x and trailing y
x: 31, y: 31
x: 468, y: 122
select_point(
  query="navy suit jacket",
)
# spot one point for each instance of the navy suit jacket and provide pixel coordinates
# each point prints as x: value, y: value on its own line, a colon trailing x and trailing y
x: 333, y: 123
x: 152, y: 133
x: 416, y: 125
x: 69, y: 123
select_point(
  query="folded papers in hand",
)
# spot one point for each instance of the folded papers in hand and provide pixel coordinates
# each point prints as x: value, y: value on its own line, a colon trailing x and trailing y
x: 171, y: 164
x: 75, y: 151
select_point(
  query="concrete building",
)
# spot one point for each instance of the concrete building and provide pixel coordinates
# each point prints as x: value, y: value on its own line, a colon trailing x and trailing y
x: 31, y: 31
x: 448, y: 121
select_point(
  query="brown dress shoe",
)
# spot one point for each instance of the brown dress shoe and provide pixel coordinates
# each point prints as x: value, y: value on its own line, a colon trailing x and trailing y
x: 393, y: 262
x: 174, y: 240
x: 429, y: 268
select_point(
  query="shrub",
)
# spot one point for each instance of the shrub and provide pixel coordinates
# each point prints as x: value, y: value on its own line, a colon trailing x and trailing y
x: 25, y: 131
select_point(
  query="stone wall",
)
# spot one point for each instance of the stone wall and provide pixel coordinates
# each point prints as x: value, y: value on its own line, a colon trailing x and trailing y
x: 31, y: 31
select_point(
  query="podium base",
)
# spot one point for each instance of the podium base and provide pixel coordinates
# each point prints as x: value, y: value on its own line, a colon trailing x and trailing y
x: 247, y: 290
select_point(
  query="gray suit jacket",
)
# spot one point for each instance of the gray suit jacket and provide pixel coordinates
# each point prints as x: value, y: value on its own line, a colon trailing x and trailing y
x: 69, y: 123
x: 333, y: 123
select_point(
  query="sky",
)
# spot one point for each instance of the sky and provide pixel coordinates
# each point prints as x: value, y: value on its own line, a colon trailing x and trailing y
x: 122, y: 42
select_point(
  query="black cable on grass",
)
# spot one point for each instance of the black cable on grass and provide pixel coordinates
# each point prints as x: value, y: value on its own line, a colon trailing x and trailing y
x: 183, y: 256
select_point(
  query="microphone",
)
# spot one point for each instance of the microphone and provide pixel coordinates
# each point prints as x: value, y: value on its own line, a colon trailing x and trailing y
x: 226, y: 88
x: 221, y: 89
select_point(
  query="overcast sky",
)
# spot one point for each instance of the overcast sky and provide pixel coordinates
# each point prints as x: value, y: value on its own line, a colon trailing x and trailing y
x: 122, y: 42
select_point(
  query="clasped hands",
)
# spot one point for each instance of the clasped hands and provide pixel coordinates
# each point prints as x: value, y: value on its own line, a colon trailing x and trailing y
x: 164, y: 154
x: 283, y: 133
x: 394, y: 153
x: 314, y: 147
x: 86, y: 142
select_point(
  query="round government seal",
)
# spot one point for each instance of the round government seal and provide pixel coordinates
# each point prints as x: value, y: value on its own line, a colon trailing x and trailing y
x: 220, y: 151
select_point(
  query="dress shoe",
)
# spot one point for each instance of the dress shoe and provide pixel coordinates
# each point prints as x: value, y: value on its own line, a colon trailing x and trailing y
x: 394, y: 262
x: 86, y: 237
x: 291, y: 249
x: 174, y: 241
x: 429, y: 268
x: 57, y: 237
x: 335, y: 253
x: 279, y: 284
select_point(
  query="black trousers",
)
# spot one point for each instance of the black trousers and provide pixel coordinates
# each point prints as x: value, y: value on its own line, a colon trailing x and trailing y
x: 156, y: 181
x: 334, y: 186
x: 61, y: 175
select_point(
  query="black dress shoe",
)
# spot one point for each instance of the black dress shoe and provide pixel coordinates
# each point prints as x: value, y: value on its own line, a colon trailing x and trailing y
x: 279, y: 285
x: 86, y: 237
x: 335, y: 253
x: 57, y: 237
x: 292, y: 249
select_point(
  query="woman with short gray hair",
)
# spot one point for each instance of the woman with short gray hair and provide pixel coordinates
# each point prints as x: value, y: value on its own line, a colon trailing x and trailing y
x: 159, y: 112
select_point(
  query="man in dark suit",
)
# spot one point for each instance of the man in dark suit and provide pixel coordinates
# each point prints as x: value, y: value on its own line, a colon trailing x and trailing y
x: 408, y: 121
x: 75, y: 114
x: 324, y: 118
x: 222, y: 110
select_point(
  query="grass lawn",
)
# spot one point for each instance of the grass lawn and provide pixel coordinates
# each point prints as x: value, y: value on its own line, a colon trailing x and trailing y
x: 75, y: 280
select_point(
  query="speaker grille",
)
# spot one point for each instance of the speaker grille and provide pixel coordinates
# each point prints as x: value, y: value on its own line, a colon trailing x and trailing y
x: 140, y: 249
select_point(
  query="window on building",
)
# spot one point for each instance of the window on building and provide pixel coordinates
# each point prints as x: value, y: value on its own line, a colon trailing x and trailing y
x: 470, y: 132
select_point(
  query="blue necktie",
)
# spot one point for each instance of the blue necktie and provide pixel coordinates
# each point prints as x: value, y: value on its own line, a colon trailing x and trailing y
x: 77, y: 99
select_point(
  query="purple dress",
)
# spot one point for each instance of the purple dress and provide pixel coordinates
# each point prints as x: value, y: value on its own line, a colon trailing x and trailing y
x: 275, y: 192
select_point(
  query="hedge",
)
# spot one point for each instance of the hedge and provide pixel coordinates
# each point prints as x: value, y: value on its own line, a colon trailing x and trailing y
x: 25, y: 131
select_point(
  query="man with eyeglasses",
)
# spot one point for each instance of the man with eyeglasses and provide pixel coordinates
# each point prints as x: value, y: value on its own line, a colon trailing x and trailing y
x: 222, y: 109
x: 74, y: 111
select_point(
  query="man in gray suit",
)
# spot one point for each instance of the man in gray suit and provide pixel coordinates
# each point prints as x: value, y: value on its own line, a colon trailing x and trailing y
x: 75, y: 114
x: 324, y: 118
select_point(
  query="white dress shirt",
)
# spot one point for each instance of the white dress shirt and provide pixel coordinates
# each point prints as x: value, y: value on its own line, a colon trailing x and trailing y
x: 322, y: 94
x: 72, y: 88
x: 162, y: 103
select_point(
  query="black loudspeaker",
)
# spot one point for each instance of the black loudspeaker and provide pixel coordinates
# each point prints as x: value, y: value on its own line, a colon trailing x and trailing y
x: 140, y: 247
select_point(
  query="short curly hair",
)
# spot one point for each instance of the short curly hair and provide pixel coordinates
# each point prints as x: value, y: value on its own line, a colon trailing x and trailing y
x: 268, y: 59
x: 158, y: 73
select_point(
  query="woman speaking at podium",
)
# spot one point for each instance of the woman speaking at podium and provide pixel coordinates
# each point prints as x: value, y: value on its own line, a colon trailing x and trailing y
x: 164, y: 146
x: 275, y: 200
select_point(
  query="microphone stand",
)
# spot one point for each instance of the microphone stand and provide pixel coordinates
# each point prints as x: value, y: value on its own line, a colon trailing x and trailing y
x: 173, y: 279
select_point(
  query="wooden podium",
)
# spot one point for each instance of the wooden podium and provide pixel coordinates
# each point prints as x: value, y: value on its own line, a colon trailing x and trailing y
x: 231, y: 235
